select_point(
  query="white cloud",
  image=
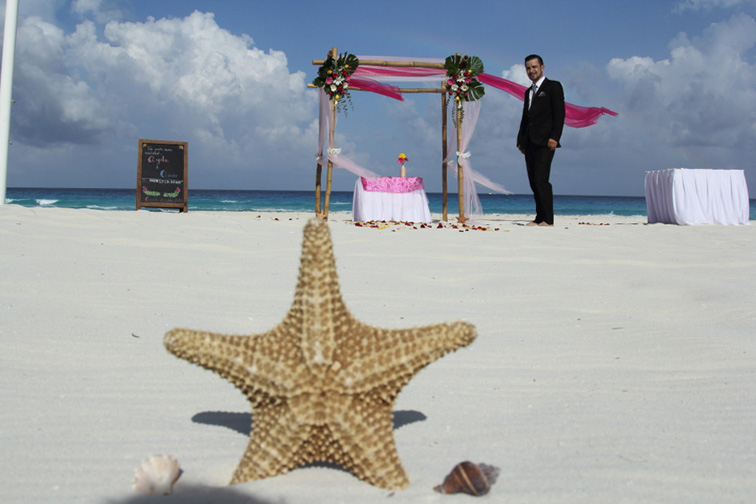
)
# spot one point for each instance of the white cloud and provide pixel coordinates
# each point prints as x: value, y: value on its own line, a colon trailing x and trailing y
x: 517, y: 73
x: 702, y: 94
x: 173, y: 79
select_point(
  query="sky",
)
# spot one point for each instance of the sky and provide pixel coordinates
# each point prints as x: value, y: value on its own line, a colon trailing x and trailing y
x: 230, y: 77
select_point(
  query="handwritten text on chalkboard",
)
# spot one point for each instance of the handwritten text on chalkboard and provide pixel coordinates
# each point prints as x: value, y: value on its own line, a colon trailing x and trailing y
x: 162, y: 173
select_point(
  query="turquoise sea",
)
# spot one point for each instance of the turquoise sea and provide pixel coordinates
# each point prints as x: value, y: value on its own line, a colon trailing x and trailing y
x: 304, y: 201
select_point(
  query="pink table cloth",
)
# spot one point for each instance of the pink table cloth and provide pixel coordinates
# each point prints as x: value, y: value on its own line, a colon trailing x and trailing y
x: 400, y: 199
x: 692, y: 197
x: 392, y: 184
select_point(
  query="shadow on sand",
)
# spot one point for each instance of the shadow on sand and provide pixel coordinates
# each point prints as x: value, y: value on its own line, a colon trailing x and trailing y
x: 242, y: 422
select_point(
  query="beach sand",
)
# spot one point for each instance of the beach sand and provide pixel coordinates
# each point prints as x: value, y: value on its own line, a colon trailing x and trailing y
x: 615, y: 361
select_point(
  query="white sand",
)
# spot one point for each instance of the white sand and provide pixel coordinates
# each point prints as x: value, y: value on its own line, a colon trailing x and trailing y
x: 614, y: 364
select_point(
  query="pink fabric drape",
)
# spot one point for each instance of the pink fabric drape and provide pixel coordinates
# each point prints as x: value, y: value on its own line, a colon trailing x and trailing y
x: 575, y: 115
x: 374, y: 86
x: 381, y: 71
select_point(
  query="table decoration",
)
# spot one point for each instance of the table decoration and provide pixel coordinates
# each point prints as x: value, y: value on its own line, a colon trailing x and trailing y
x: 402, y: 160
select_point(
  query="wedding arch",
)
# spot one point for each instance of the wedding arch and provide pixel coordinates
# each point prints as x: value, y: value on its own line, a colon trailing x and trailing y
x: 457, y: 79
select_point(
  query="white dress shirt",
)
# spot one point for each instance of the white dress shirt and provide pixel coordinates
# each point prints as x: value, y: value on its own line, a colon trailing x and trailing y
x: 538, y: 86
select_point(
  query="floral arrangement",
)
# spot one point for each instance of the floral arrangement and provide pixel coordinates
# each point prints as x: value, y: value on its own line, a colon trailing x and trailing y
x: 401, y: 160
x: 462, y: 82
x: 334, y: 75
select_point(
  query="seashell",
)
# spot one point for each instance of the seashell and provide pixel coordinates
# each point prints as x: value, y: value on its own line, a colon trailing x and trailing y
x: 469, y: 478
x: 157, y: 475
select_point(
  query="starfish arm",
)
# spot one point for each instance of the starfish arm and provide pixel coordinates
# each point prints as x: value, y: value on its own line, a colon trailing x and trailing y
x: 374, y: 357
x: 363, y: 431
x: 260, y: 366
x: 274, y: 445
x: 317, y: 309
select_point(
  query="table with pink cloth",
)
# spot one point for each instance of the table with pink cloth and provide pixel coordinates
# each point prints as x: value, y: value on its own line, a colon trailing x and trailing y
x: 401, y: 199
x: 692, y: 197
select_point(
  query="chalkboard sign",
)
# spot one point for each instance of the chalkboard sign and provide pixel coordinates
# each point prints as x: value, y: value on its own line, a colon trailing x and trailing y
x: 161, y: 174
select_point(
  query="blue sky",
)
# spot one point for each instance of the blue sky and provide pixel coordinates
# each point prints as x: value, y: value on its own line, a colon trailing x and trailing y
x: 229, y: 77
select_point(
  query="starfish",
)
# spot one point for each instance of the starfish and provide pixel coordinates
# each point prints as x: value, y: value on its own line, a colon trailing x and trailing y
x: 322, y: 385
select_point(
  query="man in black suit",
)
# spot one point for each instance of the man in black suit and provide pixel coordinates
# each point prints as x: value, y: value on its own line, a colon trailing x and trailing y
x: 540, y: 130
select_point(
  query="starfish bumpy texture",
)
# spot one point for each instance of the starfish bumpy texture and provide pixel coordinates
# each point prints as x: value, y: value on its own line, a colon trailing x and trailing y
x: 322, y: 385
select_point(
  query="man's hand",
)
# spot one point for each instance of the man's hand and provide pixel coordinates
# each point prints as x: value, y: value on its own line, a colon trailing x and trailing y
x: 552, y: 144
x: 521, y: 149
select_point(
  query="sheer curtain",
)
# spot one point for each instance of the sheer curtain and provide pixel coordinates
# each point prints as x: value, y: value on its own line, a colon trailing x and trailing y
x: 471, y: 177
x: 339, y: 160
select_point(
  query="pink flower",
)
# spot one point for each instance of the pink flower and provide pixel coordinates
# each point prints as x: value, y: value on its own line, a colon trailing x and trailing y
x: 329, y: 80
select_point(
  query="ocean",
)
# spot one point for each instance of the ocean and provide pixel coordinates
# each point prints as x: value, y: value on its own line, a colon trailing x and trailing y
x: 304, y: 201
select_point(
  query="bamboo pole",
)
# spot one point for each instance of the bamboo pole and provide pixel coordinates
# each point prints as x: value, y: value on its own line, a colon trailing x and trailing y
x: 411, y: 64
x: 318, y: 166
x: 460, y: 174
x: 329, y: 175
x: 413, y: 90
x: 401, y: 90
x: 444, y: 154
x: 318, y: 176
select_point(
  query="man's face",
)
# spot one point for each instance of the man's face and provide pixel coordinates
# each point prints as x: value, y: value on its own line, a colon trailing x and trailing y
x: 534, y: 69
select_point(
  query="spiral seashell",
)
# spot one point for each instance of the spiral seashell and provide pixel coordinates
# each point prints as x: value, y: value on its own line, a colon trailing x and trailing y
x: 469, y: 478
x: 157, y: 475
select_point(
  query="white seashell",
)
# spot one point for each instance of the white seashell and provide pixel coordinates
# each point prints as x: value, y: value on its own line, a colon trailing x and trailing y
x: 157, y: 475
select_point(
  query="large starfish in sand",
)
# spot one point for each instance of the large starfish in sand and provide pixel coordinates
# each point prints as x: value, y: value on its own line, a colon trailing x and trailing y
x: 322, y: 384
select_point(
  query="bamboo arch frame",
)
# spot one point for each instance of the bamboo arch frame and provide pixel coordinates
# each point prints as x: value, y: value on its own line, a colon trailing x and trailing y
x: 444, y: 130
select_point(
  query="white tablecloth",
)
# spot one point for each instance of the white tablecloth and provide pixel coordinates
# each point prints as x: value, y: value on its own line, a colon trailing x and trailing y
x: 691, y: 197
x: 388, y: 206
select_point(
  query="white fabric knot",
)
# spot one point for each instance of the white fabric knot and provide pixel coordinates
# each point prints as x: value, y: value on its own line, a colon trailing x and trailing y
x: 464, y: 155
x: 334, y: 152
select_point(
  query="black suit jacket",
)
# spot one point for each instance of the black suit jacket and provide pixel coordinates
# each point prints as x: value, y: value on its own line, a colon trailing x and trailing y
x: 545, y: 118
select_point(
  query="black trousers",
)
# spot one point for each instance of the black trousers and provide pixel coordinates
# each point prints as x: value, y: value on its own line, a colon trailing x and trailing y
x: 538, y: 161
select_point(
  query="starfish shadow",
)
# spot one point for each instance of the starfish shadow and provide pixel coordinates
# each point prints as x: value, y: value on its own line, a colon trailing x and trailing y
x: 242, y: 422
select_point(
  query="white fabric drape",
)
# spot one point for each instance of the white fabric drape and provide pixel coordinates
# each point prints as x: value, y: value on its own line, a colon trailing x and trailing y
x: 471, y: 177
x: 385, y: 206
x: 338, y: 159
x: 692, y: 197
